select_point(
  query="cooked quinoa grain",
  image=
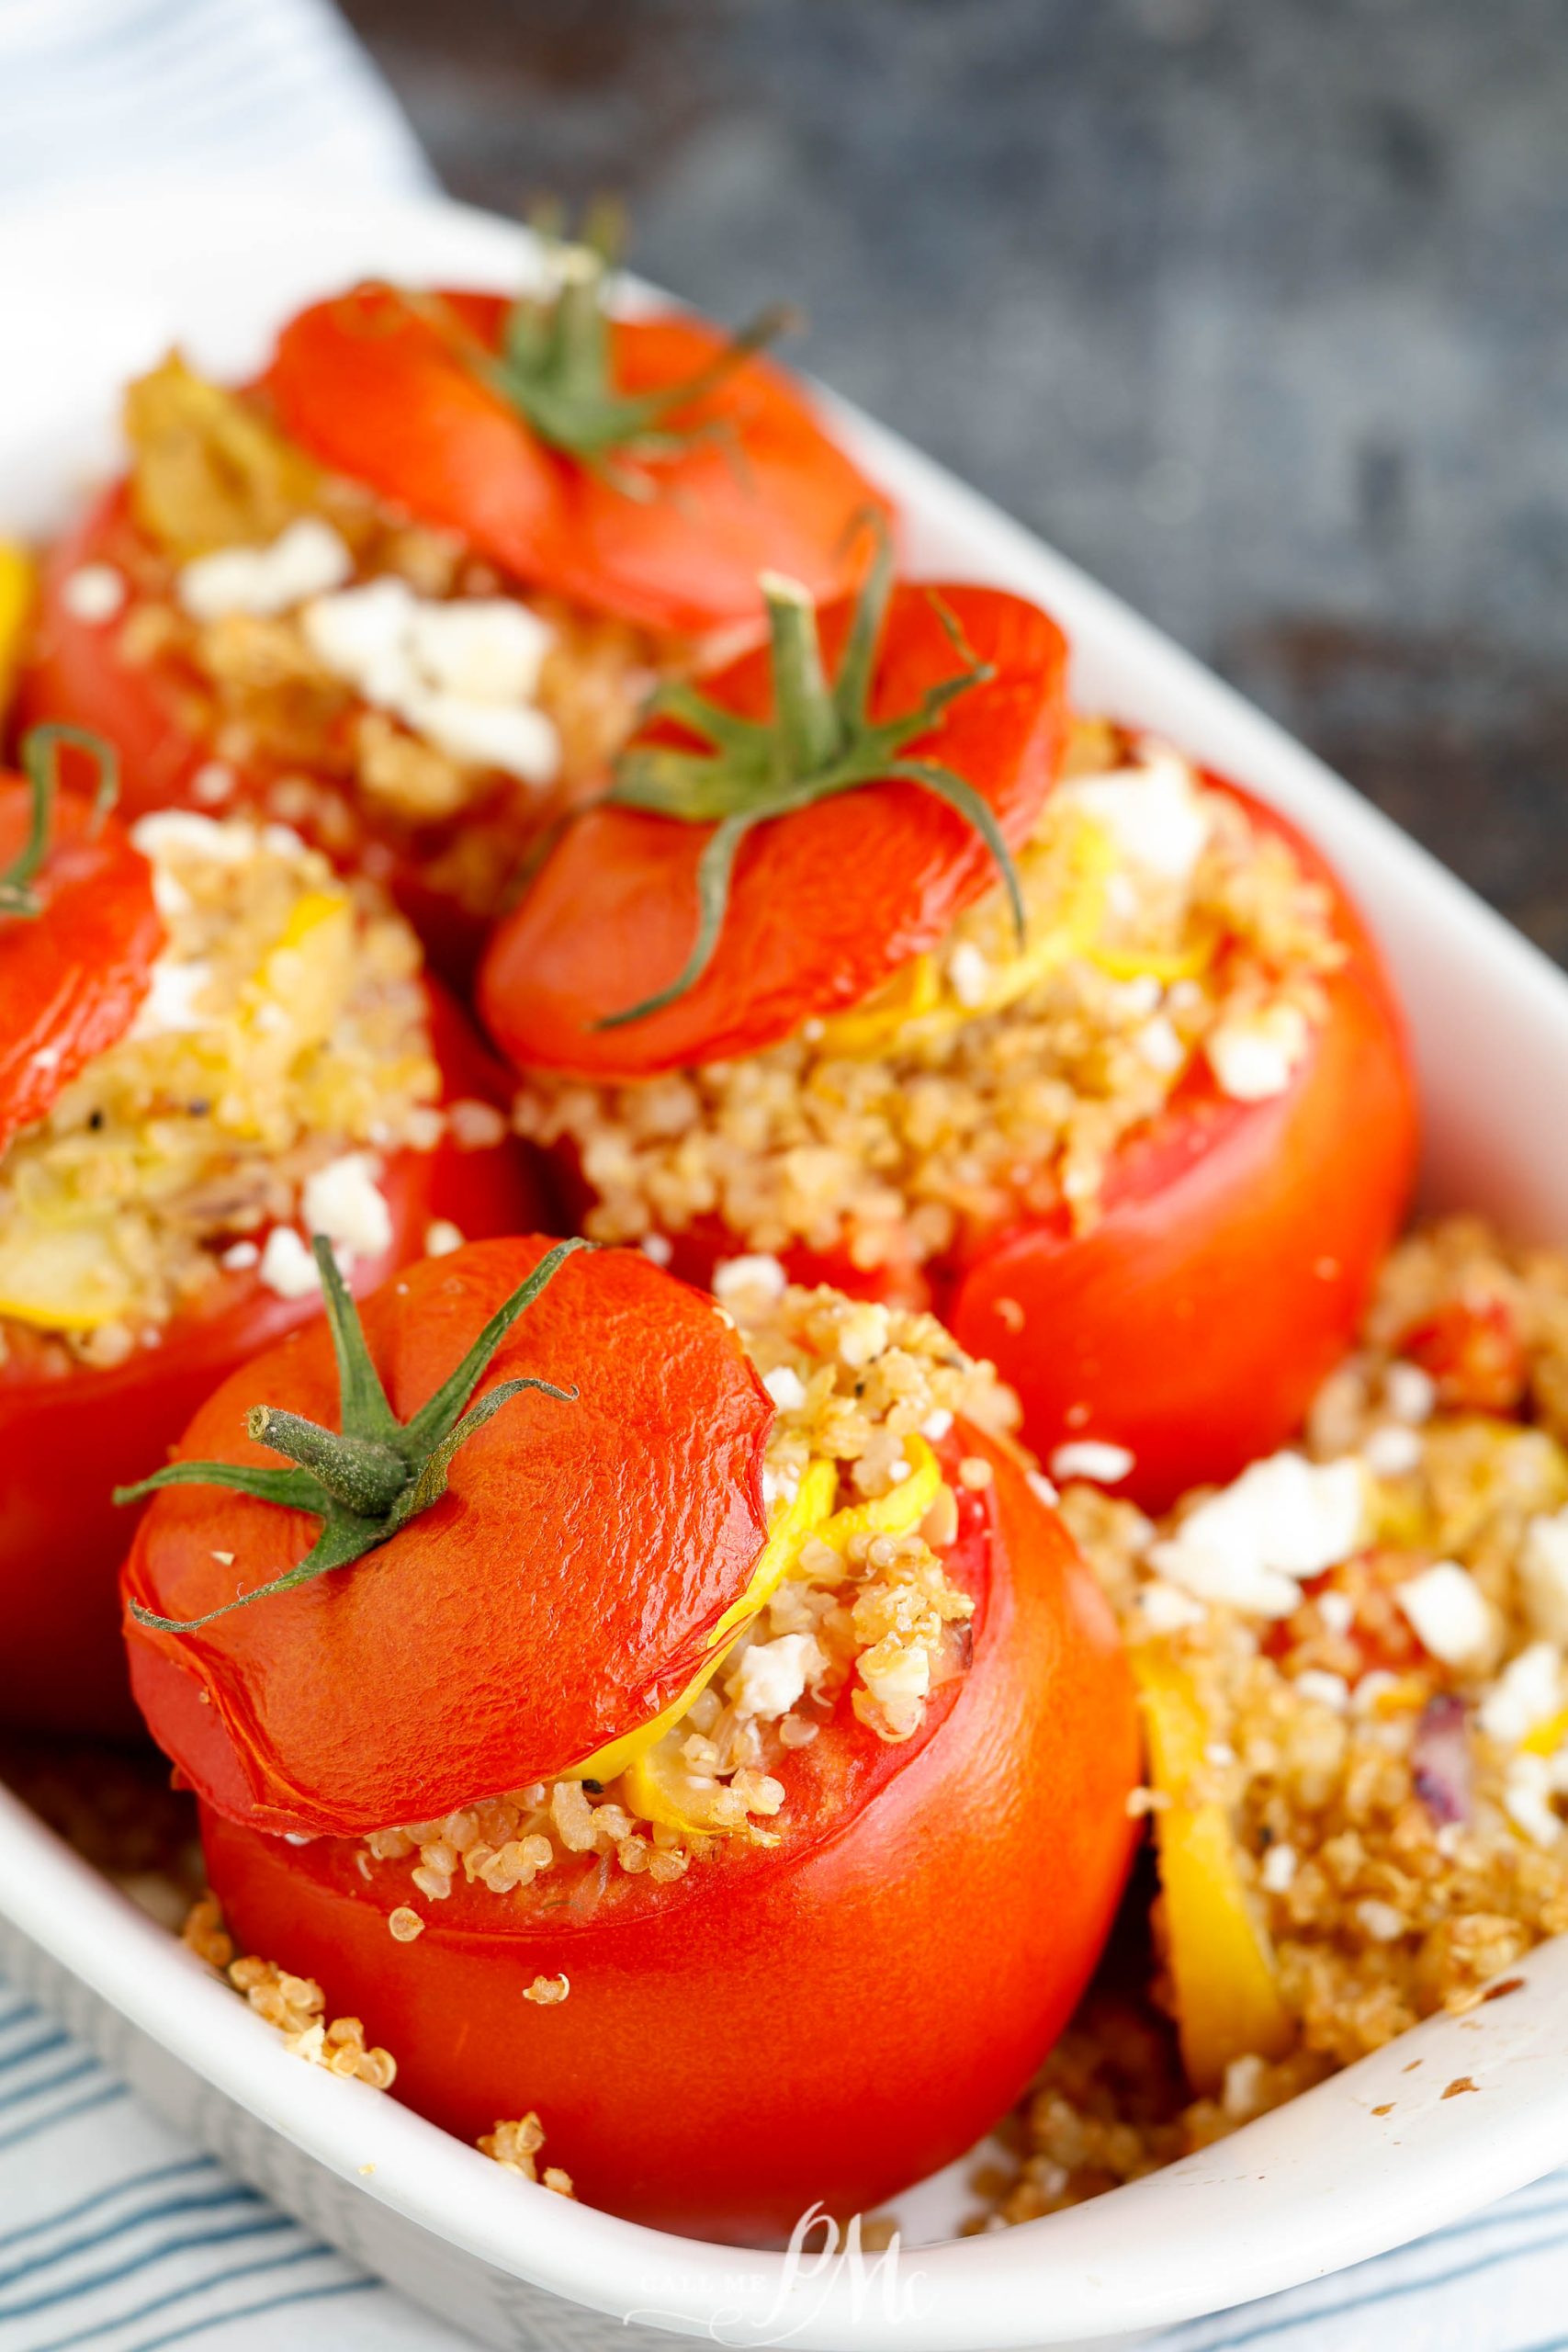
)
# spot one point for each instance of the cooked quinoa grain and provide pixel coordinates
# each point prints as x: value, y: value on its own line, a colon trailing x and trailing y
x: 296, y: 2005
x: 1165, y: 929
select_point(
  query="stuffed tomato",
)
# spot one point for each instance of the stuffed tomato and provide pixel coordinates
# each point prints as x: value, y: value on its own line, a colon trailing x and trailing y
x: 409, y: 591
x: 1135, y: 1118
x: 209, y: 1039
x: 724, y: 1759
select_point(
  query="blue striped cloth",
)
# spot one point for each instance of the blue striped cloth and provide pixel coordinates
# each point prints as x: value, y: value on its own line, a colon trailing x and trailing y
x: 115, y: 2235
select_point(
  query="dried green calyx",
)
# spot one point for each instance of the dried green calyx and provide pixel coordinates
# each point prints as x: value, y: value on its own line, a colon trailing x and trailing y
x: 554, y: 364
x: 821, y: 741
x: 369, y: 1480
x: 41, y: 751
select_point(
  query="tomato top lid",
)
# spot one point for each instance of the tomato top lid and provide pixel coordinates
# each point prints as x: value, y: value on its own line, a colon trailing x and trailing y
x: 525, y: 1493
x: 79, y: 928
x: 646, y: 467
x: 776, y: 845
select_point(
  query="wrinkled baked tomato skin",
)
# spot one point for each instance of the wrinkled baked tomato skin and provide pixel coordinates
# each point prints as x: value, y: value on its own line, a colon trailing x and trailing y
x: 375, y: 388
x: 1233, y: 1257
x: 70, y: 1432
x: 832, y: 2018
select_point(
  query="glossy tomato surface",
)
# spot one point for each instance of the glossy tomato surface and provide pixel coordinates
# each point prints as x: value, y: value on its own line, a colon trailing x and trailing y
x: 70, y: 1432
x: 381, y: 390
x: 829, y: 2018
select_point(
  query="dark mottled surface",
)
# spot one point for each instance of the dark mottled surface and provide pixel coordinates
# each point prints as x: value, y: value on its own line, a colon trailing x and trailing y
x: 1258, y: 307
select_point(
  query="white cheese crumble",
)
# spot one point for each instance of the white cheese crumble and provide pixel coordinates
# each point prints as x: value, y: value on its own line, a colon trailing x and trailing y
x: 1250, y: 1546
x: 1544, y: 1576
x: 1411, y: 1394
x: 1165, y: 1608
x: 441, y: 1236
x: 968, y: 974
x: 896, y: 1680
x: 170, y: 1006
x: 1153, y: 814
x: 785, y: 1387
x: 1093, y: 1458
x: 286, y: 1265
x: 307, y: 560
x: 1159, y: 1045
x: 1338, y: 1610
x: 773, y: 1675
x: 1528, y: 1692
x: 1254, y: 1055
x: 1381, y: 1921
x: 938, y: 1424
x: 461, y: 674
x: 1279, y: 1870
x: 736, y: 1277
x: 1391, y: 1452
x: 1449, y: 1614
x: 240, y: 1257
x: 1329, y: 1690
x: 94, y: 593
x: 656, y: 1248
x: 1526, y: 1798
x: 344, y: 1201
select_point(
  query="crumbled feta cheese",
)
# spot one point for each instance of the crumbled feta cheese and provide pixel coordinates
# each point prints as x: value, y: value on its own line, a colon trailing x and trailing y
x: 307, y: 560
x: 785, y: 1387
x: 1327, y: 1690
x: 1449, y: 1614
x: 94, y: 593
x: 1544, y: 1576
x: 734, y: 1277
x: 1391, y: 1452
x: 1337, y: 1610
x: 213, y: 783
x: 1164, y: 1608
x: 1284, y: 1519
x: 1381, y: 1921
x: 1279, y: 1870
x: 968, y: 973
x: 169, y: 1007
x: 1253, y: 1055
x: 1411, y: 1394
x: 1526, y: 1692
x: 938, y: 1425
x: 1138, y: 998
x: 1092, y: 1458
x: 1158, y: 1043
x: 780, y: 1486
x: 461, y: 674
x: 773, y: 1675
x: 344, y: 1201
x: 1153, y: 814
x: 240, y: 1257
x: 863, y: 1333
x: 286, y: 1265
x: 170, y: 832
x: 656, y: 1248
x: 1526, y: 1798
x: 441, y: 1236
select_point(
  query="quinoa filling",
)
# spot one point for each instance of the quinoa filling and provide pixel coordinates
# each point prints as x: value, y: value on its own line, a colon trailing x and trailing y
x: 1375, y: 1632
x: 281, y: 1052
x: 864, y: 1394
x: 374, y: 669
x: 1167, y: 931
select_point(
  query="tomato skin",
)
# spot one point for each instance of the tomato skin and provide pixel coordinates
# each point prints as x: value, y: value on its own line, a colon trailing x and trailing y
x: 377, y: 392
x: 68, y: 1437
x: 832, y: 2020
x: 824, y: 903
x: 71, y: 975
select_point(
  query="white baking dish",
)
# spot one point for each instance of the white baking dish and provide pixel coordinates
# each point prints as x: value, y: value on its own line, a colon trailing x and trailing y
x: 1323, y: 2182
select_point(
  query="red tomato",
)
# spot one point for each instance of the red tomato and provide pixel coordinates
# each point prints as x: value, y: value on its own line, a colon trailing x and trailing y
x: 376, y: 390
x: 1234, y: 1252
x: 824, y: 903
x: 831, y: 2019
x: 1474, y: 1351
x: 561, y: 1594
x: 69, y: 1433
x: 73, y: 971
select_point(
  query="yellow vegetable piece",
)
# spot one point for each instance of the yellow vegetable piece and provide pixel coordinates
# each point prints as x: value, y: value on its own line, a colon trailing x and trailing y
x: 16, y: 581
x: 1549, y: 1737
x: 794, y: 1524
x: 1153, y: 963
x: 68, y: 1278
x: 898, y: 1512
x: 871, y: 1027
x: 1227, y: 1999
x: 298, y: 972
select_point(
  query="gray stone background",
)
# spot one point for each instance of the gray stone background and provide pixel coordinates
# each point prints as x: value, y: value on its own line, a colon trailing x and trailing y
x: 1259, y: 308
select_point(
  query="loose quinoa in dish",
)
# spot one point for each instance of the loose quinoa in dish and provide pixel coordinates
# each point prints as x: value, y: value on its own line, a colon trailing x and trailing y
x: 283, y: 1047
x: 1375, y: 1630
x: 1166, y: 930
x: 863, y: 1395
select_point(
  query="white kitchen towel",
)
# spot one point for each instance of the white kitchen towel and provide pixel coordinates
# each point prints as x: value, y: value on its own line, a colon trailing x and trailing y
x: 115, y: 2235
